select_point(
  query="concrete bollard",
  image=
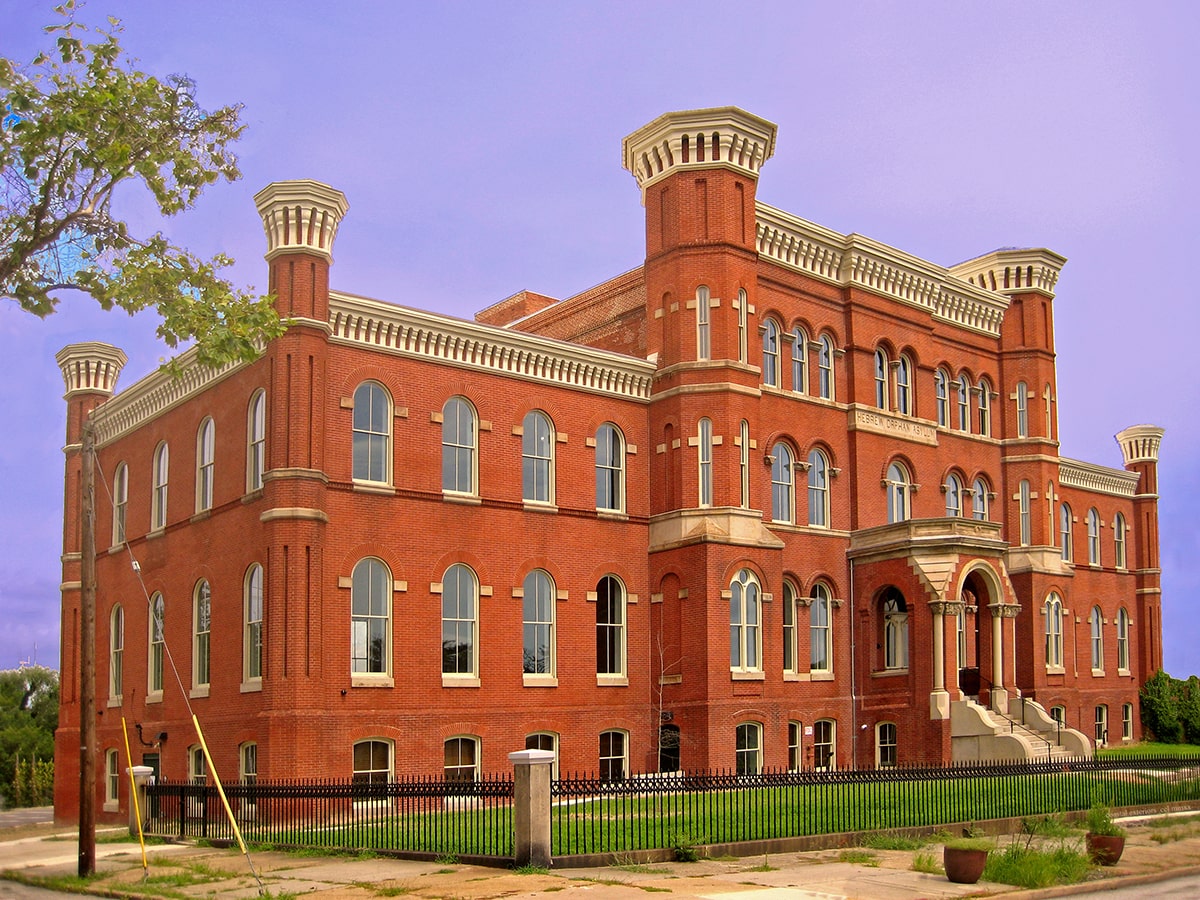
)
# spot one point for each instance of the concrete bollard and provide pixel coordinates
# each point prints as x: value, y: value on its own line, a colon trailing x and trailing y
x: 531, y: 807
x: 141, y: 778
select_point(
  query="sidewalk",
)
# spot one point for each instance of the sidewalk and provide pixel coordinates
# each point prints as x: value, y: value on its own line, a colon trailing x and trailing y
x: 819, y: 875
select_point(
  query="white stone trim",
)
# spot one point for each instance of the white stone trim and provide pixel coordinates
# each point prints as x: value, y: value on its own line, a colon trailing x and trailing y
x: 1099, y: 479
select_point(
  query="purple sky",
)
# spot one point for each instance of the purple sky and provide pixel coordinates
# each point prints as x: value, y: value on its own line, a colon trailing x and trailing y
x: 479, y: 145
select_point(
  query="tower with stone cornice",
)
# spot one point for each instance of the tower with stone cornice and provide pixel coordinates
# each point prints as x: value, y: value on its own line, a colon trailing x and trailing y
x: 1139, y: 447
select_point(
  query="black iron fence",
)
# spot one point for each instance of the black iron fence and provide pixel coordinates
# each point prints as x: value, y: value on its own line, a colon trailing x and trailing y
x: 588, y: 815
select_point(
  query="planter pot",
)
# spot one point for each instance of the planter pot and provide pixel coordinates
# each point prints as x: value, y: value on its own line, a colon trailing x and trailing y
x: 1105, y: 849
x: 963, y: 866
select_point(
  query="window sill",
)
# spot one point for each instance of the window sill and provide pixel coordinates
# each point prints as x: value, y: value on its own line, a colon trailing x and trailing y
x: 459, y: 681
x: 459, y: 497
x: 116, y: 548
x: 371, y: 680
x: 889, y: 673
x: 537, y: 679
x: 670, y: 679
x: 374, y: 487
x: 156, y: 533
x: 612, y: 681
x: 1124, y: 673
x: 1055, y: 670
x: 114, y: 702
x: 539, y: 506
x: 251, y: 687
x: 821, y: 676
x: 112, y: 806
x: 252, y: 495
x: 796, y: 676
x: 613, y: 515
x: 200, y: 691
x: 1097, y: 673
x: 746, y: 675
x: 155, y: 697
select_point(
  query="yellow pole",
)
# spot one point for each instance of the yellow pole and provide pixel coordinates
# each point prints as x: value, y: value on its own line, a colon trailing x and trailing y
x: 133, y: 798
x: 237, y: 832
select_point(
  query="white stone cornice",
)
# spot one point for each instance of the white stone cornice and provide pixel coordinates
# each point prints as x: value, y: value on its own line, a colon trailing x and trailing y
x: 1099, y: 479
x: 1140, y: 443
x: 90, y: 367
x: 1013, y: 270
x: 851, y: 260
x: 300, y: 216
x: 449, y: 341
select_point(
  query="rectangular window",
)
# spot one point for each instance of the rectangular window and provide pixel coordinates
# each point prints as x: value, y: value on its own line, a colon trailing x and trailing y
x: 795, y: 757
x: 253, y: 636
x: 1127, y: 722
x: 1101, y: 725
x: 112, y: 779
x: 824, y: 746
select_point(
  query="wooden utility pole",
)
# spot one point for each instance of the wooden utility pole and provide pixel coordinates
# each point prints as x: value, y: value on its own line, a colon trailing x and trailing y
x: 87, y: 659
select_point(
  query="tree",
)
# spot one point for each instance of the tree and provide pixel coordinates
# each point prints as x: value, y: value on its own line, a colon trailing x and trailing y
x: 80, y: 121
x: 28, y: 716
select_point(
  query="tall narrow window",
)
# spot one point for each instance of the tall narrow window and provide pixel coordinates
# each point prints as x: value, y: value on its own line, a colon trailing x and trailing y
x: 537, y: 458
x: 979, y: 500
x: 941, y: 383
x: 770, y: 353
x: 825, y: 368
x: 669, y: 746
x: 881, y: 376
x: 1127, y: 721
x: 1096, y: 627
x: 610, y: 627
x: 1122, y: 640
x: 1023, y: 513
x: 116, y: 653
x: 744, y: 637
x: 205, y: 451
x: 704, y: 449
x: 820, y: 634
x: 904, y: 391
x: 985, y: 408
x: 459, y: 442
x: 112, y: 779
x: 610, y: 468
x: 1093, y: 526
x: 1119, y: 531
x: 960, y: 635
x: 795, y: 750
x: 1064, y: 530
x: 954, y: 496
x: 154, y: 681
x: 370, y: 618
x: 248, y: 763
x: 256, y: 441
x: 1048, y: 402
x: 703, y: 338
x: 1101, y: 724
x: 789, y: 627
x: 201, y: 634
x: 1054, y: 632
x: 1022, y: 409
x: 158, y: 496
x: 120, y: 503
x: 613, y: 756
x: 460, y: 625
x: 799, y: 361
x: 898, y: 488
x: 252, y: 640
x: 749, y: 748
x: 885, y: 745
x: 461, y: 759
x: 744, y: 462
x: 197, y: 765
x: 818, y: 489
x: 964, y: 404
x: 782, y: 491
x: 372, y: 762
x: 538, y: 624
x: 895, y: 630
x: 743, y: 325
x: 372, y: 428
x: 824, y: 745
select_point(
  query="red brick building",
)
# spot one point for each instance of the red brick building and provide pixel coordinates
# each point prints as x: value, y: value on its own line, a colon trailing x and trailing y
x: 776, y: 497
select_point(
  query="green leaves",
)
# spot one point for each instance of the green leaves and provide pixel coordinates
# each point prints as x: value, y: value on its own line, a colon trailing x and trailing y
x: 80, y: 120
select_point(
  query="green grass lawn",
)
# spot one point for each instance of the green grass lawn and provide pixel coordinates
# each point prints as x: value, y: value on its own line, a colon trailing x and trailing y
x: 1149, y: 748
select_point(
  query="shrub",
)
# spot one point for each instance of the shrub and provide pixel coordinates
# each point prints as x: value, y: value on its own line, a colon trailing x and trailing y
x: 1099, y: 821
x: 1030, y: 868
x: 1161, y: 712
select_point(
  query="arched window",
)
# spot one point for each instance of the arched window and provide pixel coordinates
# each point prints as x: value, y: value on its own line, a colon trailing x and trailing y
x: 1096, y: 627
x: 1093, y: 526
x: 158, y: 495
x: 964, y: 404
x: 1064, y: 530
x: 704, y: 451
x: 461, y: 759
x: 744, y: 462
x: 116, y: 653
x: 1022, y: 398
x: 252, y: 631
x: 372, y: 432
x: 537, y: 458
x: 610, y: 468
x: 537, y: 640
x: 881, y: 379
x: 904, y: 387
x: 459, y: 445
x: 1119, y: 532
x: 201, y: 634
x: 669, y: 741
x: 941, y: 384
x: 256, y: 441
x: 825, y: 382
x: 372, y: 762
x: 745, y: 652
x: 120, y: 503
x: 205, y: 451
x: 610, y: 627
x: 370, y: 618
x: 979, y: 500
x: 703, y: 338
x: 1127, y: 721
x: 1048, y: 402
x: 795, y: 748
x: 1102, y: 724
x: 1122, y: 640
x: 799, y: 361
x: 197, y: 771
x: 248, y: 765
x: 782, y: 490
x: 789, y: 627
x: 885, y: 745
x: 154, y: 680
x: 898, y: 494
x: 749, y: 748
x: 1023, y: 513
x: 743, y: 324
x: 824, y: 745
x: 460, y: 627
x: 985, y: 408
x: 1054, y: 632
x: 614, y: 755
x: 895, y: 630
x: 820, y: 632
x: 544, y: 740
x: 954, y: 496
x: 770, y: 353
x: 818, y: 489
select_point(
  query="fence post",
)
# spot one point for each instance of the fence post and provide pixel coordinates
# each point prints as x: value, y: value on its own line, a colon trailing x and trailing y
x: 531, y: 807
x: 141, y: 777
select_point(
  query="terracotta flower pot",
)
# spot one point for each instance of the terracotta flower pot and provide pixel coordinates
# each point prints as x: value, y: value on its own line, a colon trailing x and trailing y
x: 1105, y: 849
x: 963, y: 866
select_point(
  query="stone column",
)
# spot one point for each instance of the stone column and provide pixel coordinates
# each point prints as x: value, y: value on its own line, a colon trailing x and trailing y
x: 531, y: 807
x: 999, y: 696
x: 939, y: 697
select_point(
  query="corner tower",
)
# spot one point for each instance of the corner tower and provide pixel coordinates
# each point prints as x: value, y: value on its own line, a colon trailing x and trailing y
x: 1139, y: 447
